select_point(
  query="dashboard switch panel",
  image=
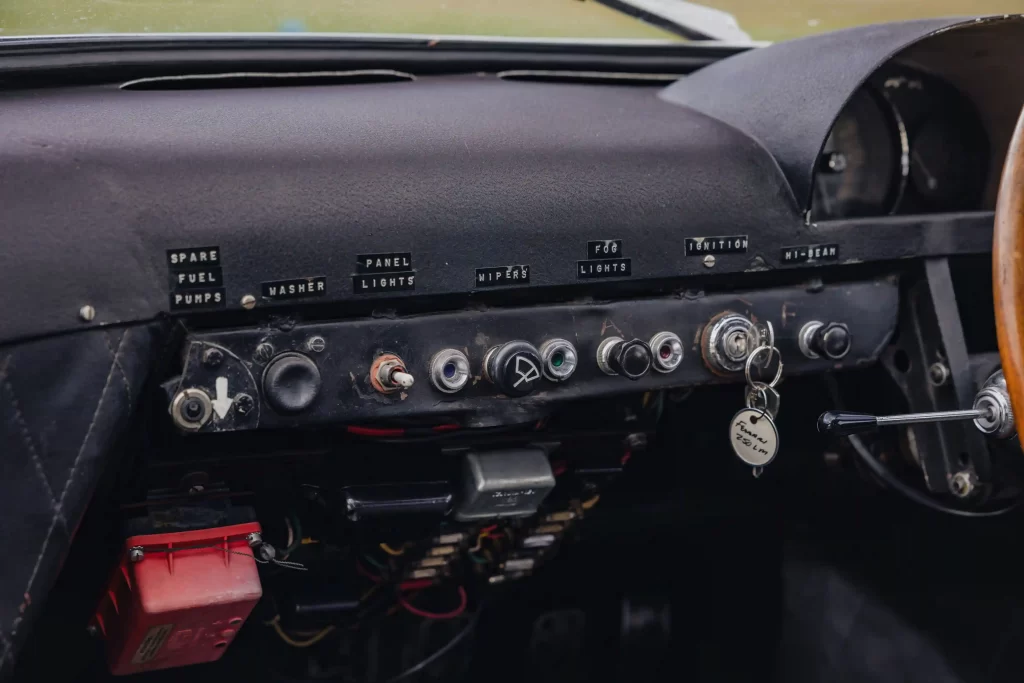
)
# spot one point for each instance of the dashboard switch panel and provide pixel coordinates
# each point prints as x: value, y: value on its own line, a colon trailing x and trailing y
x: 499, y: 365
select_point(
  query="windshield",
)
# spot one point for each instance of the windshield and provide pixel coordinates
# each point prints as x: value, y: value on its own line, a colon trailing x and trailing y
x: 763, y: 20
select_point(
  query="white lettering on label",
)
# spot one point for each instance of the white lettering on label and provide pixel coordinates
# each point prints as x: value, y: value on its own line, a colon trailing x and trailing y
x: 198, y: 298
x: 195, y: 257
x: 396, y: 263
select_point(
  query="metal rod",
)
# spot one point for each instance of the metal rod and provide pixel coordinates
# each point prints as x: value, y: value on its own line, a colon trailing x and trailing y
x: 942, y: 416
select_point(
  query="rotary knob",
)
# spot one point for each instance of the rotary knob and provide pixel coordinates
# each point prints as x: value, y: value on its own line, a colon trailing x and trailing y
x: 513, y: 367
x: 631, y: 359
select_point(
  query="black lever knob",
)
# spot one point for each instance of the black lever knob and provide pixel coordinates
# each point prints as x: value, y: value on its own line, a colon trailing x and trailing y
x: 838, y: 423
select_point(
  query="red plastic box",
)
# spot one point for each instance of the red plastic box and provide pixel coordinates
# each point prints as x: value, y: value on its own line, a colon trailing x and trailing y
x: 180, y: 607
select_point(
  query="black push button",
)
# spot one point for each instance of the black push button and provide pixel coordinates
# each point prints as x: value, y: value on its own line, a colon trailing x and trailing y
x: 831, y: 340
x: 514, y: 368
x: 291, y: 383
x: 631, y: 359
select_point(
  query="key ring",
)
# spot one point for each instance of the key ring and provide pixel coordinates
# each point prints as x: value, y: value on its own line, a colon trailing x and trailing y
x: 769, y: 332
x: 750, y: 361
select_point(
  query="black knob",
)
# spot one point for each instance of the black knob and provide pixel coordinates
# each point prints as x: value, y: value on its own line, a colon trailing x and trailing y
x: 838, y: 423
x: 514, y: 367
x: 631, y: 359
x: 831, y: 340
x: 291, y: 382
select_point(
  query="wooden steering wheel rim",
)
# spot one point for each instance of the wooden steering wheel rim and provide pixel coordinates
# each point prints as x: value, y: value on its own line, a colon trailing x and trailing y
x: 1008, y: 269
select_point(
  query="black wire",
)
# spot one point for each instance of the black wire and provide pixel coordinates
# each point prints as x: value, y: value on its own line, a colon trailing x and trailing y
x: 441, y: 652
x: 883, y: 473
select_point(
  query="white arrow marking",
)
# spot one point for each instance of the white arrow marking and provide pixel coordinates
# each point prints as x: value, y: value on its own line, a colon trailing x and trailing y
x: 222, y: 404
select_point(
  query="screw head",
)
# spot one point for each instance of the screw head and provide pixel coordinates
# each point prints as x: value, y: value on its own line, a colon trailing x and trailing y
x: 212, y: 358
x: 264, y: 352
x: 316, y: 344
x: 92, y: 630
x: 87, y: 313
x: 244, y: 404
x: 962, y: 483
x: 254, y: 539
x: 248, y: 302
x: 198, y: 488
x: 135, y: 554
x: 938, y: 374
x: 709, y: 261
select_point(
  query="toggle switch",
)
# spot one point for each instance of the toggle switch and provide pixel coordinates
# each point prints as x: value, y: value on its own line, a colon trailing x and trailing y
x: 388, y: 374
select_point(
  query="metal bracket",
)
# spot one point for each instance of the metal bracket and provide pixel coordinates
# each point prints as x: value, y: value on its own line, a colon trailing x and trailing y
x: 931, y: 333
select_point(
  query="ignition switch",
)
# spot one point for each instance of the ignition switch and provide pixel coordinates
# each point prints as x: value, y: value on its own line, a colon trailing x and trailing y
x: 726, y: 342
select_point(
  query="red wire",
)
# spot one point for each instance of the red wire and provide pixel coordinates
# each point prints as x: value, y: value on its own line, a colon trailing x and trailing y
x: 463, y: 600
x: 366, y: 572
x: 489, y: 529
x: 558, y: 468
x: 415, y: 584
x: 625, y: 458
x: 375, y: 431
x: 446, y: 428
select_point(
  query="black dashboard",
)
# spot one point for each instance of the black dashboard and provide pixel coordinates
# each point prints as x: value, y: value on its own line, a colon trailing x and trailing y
x: 463, y: 249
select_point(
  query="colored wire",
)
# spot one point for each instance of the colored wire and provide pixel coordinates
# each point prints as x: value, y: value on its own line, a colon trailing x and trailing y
x: 375, y: 431
x: 463, y: 601
x: 391, y: 551
x: 363, y: 571
x: 375, y: 562
x: 586, y: 505
x: 440, y: 652
x: 275, y: 623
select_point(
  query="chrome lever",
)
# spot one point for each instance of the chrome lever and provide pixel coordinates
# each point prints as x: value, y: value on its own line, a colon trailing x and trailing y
x: 992, y: 414
x: 841, y: 423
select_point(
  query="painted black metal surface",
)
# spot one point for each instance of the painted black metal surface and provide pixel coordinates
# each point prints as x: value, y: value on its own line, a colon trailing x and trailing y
x: 868, y: 308
x: 788, y: 95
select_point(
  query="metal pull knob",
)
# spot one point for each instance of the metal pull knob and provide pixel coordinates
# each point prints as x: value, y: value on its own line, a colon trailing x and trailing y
x: 840, y: 423
x: 992, y: 414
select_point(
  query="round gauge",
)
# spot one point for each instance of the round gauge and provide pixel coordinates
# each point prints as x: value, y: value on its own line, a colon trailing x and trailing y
x: 946, y: 166
x: 860, y: 169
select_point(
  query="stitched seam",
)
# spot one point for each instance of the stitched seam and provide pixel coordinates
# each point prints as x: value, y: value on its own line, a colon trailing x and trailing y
x: 120, y: 370
x: 26, y: 436
x: 71, y: 476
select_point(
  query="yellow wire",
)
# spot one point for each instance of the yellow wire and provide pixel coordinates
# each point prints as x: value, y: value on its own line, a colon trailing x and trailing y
x: 479, y: 542
x: 586, y: 505
x: 276, y: 623
x: 391, y: 551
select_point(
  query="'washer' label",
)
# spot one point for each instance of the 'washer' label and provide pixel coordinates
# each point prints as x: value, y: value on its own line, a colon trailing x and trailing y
x: 294, y: 289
